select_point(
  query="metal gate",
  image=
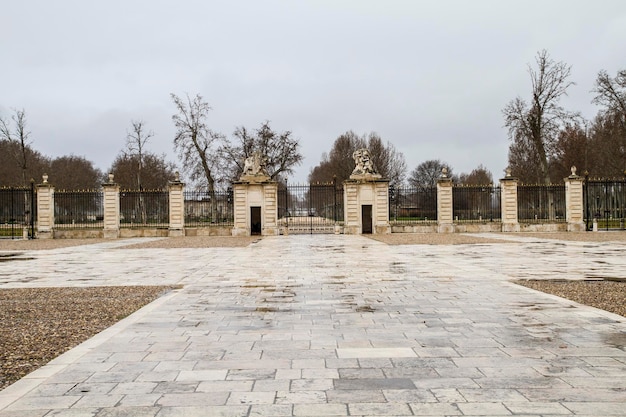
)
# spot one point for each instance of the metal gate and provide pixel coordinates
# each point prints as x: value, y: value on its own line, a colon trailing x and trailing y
x: 605, y: 201
x: 310, y: 208
x: 17, y: 212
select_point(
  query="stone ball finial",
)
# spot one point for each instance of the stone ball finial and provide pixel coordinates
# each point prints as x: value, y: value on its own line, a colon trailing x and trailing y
x: 45, y: 178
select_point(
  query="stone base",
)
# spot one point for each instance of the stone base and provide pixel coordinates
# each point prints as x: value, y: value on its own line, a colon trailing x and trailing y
x: 45, y: 234
x: 351, y: 230
x: 382, y: 230
x: 175, y: 232
x: 270, y: 231
x: 576, y: 227
x: 238, y: 232
x: 445, y: 228
x: 510, y: 227
x: 111, y: 233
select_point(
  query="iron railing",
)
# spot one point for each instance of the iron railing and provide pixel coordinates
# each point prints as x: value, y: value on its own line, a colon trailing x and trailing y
x: 144, y: 208
x: 541, y: 203
x: 605, y: 201
x: 411, y: 205
x: 209, y: 208
x: 476, y: 203
x: 18, y: 211
x: 78, y: 209
x: 310, y: 208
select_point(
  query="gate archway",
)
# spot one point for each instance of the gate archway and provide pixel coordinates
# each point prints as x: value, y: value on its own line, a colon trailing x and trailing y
x: 310, y: 208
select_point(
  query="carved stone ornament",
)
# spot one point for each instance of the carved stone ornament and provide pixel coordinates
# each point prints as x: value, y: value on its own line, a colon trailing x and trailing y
x: 254, y: 168
x: 364, y: 168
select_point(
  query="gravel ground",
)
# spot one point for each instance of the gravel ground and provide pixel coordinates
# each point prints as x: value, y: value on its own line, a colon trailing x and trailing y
x: 605, y: 295
x: 40, y: 324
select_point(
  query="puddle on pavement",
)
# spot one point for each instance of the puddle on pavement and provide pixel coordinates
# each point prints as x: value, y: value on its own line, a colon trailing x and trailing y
x: 617, y: 340
x: 14, y: 256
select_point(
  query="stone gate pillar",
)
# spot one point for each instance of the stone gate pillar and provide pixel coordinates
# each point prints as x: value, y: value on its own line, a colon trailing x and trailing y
x: 176, y: 191
x: 45, y: 209
x: 445, y: 223
x: 111, y: 209
x: 366, y: 198
x: 574, y: 205
x: 508, y: 203
x: 255, y: 200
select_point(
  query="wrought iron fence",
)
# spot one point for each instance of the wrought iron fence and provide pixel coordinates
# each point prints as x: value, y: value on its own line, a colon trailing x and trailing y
x: 476, y: 203
x: 605, y: 201
x: 78, y: 209
x: 538, y: 203
x: 209, y: 208
x: 310, y: 208
x: 144, y: 208
x: 18, y: 211
x: 410, y: 205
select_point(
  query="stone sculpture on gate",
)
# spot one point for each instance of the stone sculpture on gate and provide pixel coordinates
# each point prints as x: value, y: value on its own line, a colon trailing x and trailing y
x: 254, y: 168
x: 364, y: 167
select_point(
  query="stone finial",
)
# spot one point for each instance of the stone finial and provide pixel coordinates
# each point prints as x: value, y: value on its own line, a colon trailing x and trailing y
x: 45, y: 178
x: 110, y: 177
x: 573, y: 170
x: 177, y: 176
x: 507, y: 172
x: 444, y: 172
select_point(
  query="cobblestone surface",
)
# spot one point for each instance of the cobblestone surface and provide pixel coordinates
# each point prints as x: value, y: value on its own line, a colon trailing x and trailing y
x: 334, y: 325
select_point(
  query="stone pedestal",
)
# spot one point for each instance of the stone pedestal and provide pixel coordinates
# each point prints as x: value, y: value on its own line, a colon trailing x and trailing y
x: 45, y: 209
x: 255, y: 199
x: 366, y: 195
x: 574, y: 204
x: 508, y: 203
x: 177, y: 208
x: 445, y: 223
x: 111, y: 209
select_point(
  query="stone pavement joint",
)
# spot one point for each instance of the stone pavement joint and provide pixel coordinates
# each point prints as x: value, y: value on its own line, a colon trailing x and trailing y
x: 334, y: 325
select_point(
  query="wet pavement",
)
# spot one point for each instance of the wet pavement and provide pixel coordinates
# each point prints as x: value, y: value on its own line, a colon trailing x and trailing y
x: 334, y: 325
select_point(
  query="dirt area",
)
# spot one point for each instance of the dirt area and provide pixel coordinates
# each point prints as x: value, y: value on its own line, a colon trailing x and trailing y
x: 605, y: 295
x: 39, y: 324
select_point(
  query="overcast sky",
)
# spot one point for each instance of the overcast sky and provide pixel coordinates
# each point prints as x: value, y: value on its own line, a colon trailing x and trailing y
x: 431, y: 77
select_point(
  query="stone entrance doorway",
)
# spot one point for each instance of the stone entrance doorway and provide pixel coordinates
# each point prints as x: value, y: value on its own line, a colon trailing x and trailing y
x: 255, y: 221
x: 366, y: 219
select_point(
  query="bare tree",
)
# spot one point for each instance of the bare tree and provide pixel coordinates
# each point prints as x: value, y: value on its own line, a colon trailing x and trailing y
x: 338, y: 163
x: 479, y: 176
x: 195, y: 143
x: 426, y: 174
x: 534, y: 127
x: 611, y: 93
x: 19, y: 137
x: 136, y: 141
x: 280, y: 149
x: 155, y: 174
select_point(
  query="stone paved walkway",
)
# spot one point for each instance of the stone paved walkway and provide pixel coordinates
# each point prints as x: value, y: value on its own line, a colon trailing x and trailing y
x: 334, y: 325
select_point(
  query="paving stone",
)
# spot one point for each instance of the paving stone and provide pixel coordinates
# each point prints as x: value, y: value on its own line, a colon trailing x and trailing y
x: 331, y: 325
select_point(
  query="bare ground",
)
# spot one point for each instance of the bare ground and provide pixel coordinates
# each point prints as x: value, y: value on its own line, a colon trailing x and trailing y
x: 39, y: 324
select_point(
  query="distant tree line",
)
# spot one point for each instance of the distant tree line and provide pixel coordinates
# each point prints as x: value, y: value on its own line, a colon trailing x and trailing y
x: 547, y: 139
